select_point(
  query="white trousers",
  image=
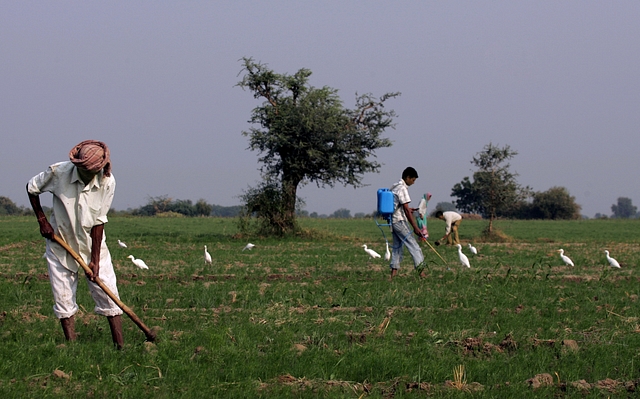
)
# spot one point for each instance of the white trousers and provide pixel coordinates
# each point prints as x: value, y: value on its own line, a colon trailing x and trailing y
x: 64, y: 284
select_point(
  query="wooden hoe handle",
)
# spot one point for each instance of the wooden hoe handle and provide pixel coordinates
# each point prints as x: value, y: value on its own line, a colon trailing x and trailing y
x: 151, y: 336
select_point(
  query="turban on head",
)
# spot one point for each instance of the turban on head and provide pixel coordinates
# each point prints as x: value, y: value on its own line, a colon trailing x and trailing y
x: 91, y: 155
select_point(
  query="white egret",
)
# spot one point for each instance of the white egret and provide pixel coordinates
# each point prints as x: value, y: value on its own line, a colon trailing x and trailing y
x: 463, y: 258
x: 612, y: 262
x: 248, y: 246
x: 473, y: 249
x: 138, y: 262
x: 122, y: 245
x: 207, y: 256
x: 371, y: 252
x: 387, y: 254
x: 565, y: 258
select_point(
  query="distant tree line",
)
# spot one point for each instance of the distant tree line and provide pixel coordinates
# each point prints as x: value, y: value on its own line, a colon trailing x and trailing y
x: 341, y: 213
x: 493, y: 192
x: 8, y: 207
x: 164, y: 204
x: 623, y: 209
x: 154, y: 207
x: 555, y: 203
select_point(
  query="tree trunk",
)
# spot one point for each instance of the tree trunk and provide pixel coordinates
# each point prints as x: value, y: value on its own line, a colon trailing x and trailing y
x: 289, y: 195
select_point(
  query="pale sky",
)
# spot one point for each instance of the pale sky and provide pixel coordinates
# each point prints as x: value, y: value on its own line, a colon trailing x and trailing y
x: 558, y: 81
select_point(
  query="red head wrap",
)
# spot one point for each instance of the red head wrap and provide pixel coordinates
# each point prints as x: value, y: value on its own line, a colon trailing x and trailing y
x: 92, y: 155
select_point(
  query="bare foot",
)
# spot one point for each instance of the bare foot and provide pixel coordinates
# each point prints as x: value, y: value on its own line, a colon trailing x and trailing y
x: 394, y: 272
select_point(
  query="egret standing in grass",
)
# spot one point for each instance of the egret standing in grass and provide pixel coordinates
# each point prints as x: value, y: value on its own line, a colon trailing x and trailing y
x: 473, y: 249
x: 370, y: 251
x: 463, y: 258
x: 207, y: 256
x: 612, y: 262
x: 122, y: 245
x: 138, y: 262
x: 565, y: 258
x: 248, y: 246
x: 387, y: 254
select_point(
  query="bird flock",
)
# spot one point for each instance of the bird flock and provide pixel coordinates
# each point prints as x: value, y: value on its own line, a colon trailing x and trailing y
x: 207, y: 256
x: 464, y: 259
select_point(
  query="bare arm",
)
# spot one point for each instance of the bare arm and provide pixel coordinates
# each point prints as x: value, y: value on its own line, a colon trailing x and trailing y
x: 409, y: 213
x: 46, y: 230
x: 96, y: 242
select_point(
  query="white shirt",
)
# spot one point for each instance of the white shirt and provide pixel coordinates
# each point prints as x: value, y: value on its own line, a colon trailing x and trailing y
x: 400, y: 192
x: 450, y: 217
x: 76, y: 209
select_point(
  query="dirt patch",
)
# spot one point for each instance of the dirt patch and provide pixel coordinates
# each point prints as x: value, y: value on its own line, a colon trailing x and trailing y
x: 579, y: 279
x: 12, y: 246
x: 608, y: 385
x: 540, y: 380
x: 470, y: 387
x: 385, y: 389
x: 543, y: 342
x: 476, y: 346
x: 570, y: 345
x: 494, y: 235
x: 287, y: 277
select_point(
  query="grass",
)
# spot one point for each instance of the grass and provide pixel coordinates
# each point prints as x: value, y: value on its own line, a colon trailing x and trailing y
x: 312, y: 316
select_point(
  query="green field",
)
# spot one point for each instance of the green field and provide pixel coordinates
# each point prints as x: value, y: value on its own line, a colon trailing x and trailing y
x: 315, y: 317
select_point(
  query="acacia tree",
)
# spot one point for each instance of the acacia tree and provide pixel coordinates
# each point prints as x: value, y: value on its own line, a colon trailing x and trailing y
x: 494, y: 190
x: 305, y: 134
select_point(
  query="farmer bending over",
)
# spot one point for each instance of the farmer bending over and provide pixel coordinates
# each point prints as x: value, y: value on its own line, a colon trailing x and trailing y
x: 452, y: 220
x: 82, y: 189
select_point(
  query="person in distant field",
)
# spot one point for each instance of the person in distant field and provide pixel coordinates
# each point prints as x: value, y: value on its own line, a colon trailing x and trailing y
x: 83, y: 190
x: 453, y: 220
x: 403, y: 224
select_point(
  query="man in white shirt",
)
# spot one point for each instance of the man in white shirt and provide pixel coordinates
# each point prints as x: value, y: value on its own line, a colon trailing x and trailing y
x: 403, y: 222
x: 83, y: 190
x: 452, y: 220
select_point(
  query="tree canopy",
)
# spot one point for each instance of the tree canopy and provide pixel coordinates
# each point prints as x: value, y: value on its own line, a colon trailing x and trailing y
x: 494, y: 190
x: 624, y: 209
x: 555, y: 203
x: 305, y: 134
x: 8, y: 207
x: 444, y: 207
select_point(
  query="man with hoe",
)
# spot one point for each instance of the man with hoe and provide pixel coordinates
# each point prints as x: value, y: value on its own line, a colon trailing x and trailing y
x: 452, y: 220
x: 83, y: 190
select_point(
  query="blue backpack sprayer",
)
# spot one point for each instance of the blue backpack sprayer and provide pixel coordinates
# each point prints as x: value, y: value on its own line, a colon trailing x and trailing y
x: 385, y: 210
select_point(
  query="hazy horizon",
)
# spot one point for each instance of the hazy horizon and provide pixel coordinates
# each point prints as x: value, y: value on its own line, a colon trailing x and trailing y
x: 556, y: 81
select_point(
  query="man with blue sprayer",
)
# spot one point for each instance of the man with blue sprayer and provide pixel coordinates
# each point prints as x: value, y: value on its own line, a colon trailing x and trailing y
x: 403, y: 224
